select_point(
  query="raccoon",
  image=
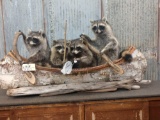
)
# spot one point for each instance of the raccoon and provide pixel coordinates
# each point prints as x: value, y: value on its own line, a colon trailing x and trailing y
x: 81, y: 53
x: 57, y: 52
x: 126, y: 56
x: 37, y: 44
x: 105, y: 40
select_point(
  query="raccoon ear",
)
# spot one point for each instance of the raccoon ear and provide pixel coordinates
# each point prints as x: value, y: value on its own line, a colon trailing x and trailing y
x: 40, y: 31
x: 43, y: 35
x: 68, y: 43
x: 54, y: 42
x: 91, y: 21
x: 104, y: 19
x: 29, y: 31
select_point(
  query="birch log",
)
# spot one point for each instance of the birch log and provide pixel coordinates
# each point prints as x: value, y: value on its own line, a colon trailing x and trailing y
x: 12, y: 76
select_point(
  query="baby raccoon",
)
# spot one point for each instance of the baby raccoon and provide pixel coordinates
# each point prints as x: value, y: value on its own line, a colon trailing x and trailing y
x: 105, y: 40
x: 81, y: 54
x: 57, y: 53
x: 37, y: 44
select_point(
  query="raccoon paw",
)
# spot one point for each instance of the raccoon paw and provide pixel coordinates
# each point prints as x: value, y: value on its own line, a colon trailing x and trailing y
x: 85, y: 37
x: 82, y: 35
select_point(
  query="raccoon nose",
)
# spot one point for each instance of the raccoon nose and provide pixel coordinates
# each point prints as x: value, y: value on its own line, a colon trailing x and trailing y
x: 96, y: 31
x: 75, y: 52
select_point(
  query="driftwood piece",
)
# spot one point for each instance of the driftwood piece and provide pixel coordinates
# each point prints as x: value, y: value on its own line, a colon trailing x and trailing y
x: 69, y: 88
x: 12, y: 76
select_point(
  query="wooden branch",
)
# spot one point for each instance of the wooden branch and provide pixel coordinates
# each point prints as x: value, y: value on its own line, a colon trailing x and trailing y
x: 115, y: 67
x: 65, y: 31
x: 17, y: 34
x: 67, y: 88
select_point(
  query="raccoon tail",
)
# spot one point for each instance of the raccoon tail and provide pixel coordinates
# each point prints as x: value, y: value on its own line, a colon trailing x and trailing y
x: 126, y: 56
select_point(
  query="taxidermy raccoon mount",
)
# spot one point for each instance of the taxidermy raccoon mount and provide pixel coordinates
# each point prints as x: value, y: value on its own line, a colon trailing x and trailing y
x: 57, y: 52
x: 82, y: 54
x: 37, y: 44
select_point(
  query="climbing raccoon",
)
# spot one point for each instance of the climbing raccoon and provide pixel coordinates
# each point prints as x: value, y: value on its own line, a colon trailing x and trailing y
x: 81, y: 53
x: 104, y: 41
x: 57, y: 52
x: 37, y: 44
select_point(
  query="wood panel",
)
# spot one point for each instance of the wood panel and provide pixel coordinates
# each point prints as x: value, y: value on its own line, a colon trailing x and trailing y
x: 1, y: 32
x: 21, y: 15
x: 117, y: 111
x: 5, y: 115
x: 78, y: 14
x: 135, y: 22
x: 154, y: 110
x: 158, y: 39
x: 126, y: 109
x: 70, y: 112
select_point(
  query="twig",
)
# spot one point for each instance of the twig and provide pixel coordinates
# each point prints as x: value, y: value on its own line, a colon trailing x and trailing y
x: 65, y: 30
x: 102, y: 9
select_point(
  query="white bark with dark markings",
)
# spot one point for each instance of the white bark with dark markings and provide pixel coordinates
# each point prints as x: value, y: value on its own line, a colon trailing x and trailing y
x: 12, y: 76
